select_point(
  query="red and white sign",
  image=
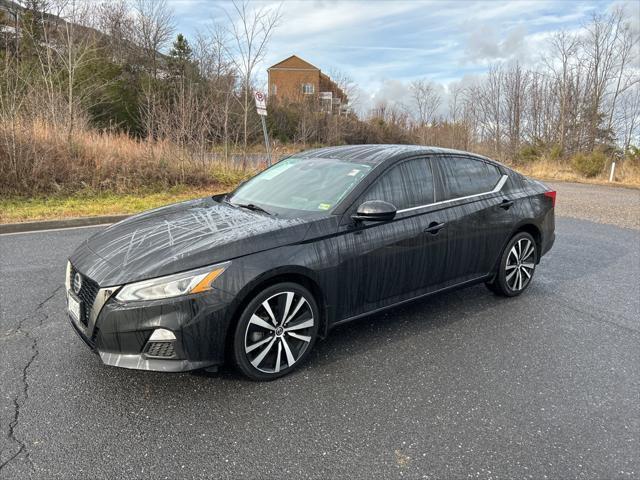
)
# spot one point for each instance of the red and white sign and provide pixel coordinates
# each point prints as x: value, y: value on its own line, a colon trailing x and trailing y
x: 261, y: 103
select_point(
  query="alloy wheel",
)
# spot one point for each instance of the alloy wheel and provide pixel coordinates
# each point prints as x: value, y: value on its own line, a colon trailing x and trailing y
x: 279, y: 332
x: 520, y: 264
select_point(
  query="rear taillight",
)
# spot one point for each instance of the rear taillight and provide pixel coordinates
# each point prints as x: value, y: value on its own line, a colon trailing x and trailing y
x: 552, y: 195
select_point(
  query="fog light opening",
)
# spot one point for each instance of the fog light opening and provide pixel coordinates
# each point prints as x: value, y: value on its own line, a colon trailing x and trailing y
x: 162, y: 334
x: 161, y: 344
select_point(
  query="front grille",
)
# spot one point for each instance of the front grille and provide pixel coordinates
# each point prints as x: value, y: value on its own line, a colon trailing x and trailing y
x: 87, y: 294
x: 160, y: 349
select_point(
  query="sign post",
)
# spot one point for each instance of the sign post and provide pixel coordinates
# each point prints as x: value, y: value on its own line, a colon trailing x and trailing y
x: 261, y: 107
x: 612, y: 175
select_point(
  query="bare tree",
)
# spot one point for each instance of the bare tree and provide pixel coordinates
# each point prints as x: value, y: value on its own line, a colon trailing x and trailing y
x: 77, y: 50
x: 115, y: 19
x: 561, y: 62
x: 599, y: 46
x: 626, y: 51
x: 515, y: 90
x: 250, y: 30
x: 425, y: 104
x: 211, y: 53
x: 456, y: 106
x: 14, y: 90
x: 628, y: 117
x: 348, y: 87
x: 491, y: 106
x: 426, y: 100
x: 154, y: 27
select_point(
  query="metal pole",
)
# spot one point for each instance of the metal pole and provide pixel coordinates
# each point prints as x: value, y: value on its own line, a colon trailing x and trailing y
x: 266, y: 139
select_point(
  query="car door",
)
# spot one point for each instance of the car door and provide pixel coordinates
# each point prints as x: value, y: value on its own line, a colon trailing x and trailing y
x: 385, y: 262
x: 478, y: 217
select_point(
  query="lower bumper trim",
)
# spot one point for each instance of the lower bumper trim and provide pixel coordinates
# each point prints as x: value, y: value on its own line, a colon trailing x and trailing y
x: 139, y: 362
x: 82, y: 335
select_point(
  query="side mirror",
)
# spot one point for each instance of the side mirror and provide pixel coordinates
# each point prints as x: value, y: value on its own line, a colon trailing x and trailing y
x: 375, y: 211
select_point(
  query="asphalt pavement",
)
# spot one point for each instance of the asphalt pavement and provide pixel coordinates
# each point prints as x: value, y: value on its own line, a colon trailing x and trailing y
x: 462, y: 385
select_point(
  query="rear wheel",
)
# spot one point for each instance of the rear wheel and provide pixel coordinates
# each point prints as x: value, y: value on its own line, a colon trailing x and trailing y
x: 276, y: 331
x: 517, y: 266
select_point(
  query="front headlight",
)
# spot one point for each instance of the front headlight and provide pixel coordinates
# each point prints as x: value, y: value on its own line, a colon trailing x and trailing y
x: 194, y: 281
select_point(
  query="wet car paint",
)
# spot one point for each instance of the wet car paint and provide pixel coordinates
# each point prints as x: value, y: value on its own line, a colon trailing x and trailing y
x: 352, y: 268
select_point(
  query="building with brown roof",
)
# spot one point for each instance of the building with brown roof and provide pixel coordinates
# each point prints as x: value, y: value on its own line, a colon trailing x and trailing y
x: 295, y: 80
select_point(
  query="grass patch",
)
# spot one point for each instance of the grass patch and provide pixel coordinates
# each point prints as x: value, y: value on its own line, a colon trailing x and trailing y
x: 88, y: 204
x: 627, y: 173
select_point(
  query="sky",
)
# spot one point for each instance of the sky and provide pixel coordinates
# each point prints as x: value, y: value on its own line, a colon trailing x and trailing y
x: 384, y: 45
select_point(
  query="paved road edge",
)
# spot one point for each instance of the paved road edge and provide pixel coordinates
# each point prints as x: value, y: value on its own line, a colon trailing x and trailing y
x: 56, y: 224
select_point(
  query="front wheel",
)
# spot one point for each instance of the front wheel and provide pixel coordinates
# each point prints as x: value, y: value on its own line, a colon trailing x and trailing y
x: 517, y: 266
x: 276, y: 331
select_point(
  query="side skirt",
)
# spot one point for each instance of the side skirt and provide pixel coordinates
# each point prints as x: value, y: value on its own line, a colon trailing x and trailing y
x: 457, y: 286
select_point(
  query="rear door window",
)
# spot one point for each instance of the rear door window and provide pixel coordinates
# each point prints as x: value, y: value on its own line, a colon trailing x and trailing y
x: 465, y: 176
x: 409, y: 184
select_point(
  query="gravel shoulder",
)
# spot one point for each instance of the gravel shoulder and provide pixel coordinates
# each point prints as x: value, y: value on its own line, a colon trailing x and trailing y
x: 602, y: 204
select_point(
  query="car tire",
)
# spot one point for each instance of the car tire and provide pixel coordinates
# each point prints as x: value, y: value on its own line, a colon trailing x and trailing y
x: 517, y: 266
x: 276, y: 332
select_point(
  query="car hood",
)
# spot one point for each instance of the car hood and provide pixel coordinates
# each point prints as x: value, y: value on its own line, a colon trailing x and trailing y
x: 180, y: 237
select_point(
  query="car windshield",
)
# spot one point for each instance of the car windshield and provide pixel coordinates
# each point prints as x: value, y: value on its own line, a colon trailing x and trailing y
x: 308, y: 184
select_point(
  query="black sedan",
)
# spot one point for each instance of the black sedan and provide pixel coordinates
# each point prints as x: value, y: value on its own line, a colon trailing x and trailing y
x: 323, y: 237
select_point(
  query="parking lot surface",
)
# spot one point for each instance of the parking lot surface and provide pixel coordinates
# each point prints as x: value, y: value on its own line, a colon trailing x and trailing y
x: 460, y: 385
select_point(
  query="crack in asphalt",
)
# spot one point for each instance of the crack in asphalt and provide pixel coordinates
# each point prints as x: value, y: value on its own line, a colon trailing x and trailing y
x: 24, y: 395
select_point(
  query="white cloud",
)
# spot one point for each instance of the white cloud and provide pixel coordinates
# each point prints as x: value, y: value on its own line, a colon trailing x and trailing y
x: 384, y: 45
x: 306, y: 19
x: 484, y: 43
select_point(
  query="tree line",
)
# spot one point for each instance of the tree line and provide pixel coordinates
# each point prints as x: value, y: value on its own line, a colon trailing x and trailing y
x: 109, y: 95
x: 582, y: 97
x: 73, y: 69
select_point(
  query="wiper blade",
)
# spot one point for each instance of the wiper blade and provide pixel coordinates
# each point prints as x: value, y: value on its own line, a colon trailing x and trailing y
x: 251, y: 206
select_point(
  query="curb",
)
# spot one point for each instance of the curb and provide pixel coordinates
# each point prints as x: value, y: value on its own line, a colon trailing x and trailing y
x: 59, y: 224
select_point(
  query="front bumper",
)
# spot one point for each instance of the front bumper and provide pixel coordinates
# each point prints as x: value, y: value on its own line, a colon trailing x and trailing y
x: 120, y: 332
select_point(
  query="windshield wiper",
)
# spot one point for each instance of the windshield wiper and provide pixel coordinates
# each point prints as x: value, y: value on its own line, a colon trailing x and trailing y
x: 251, y: 206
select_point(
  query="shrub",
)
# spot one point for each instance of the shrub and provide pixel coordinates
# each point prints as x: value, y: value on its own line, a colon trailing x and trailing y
x: 528, y: 154
x: 556, y: 152
x: 589, y: 165
x: 633, y: 155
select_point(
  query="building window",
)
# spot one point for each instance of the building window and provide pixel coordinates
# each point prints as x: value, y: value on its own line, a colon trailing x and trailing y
x: 274, y: 89
x: 308, y: 88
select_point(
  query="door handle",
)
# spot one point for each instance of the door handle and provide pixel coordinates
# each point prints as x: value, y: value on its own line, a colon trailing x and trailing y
x: 506, y: 204
x: 434, y: 227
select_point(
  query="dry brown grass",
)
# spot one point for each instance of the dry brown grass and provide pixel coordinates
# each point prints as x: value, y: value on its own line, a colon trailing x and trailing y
x: 36, y: 158
x: 627, y: 174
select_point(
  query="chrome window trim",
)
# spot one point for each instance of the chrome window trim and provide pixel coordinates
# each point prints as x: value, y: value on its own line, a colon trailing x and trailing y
x: 496, y: 189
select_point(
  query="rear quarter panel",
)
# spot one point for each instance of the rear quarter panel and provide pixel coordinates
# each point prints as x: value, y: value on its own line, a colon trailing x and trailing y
x: 535, y: 209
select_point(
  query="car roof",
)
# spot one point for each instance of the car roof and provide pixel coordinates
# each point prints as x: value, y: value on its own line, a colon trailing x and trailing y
x: 377, y: 154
